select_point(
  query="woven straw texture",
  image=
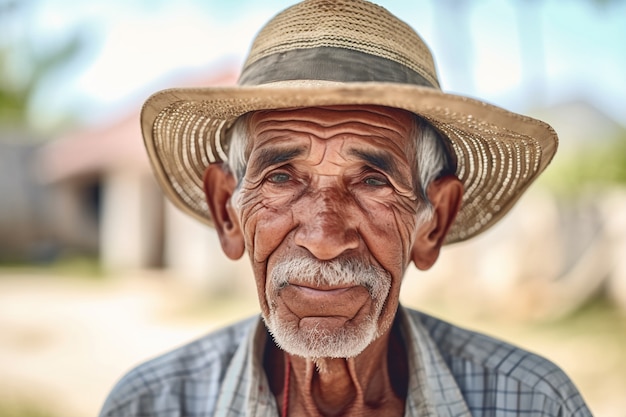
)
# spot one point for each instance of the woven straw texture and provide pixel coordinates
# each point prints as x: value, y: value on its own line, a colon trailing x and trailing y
x: 354, y: 25
x: 499, y: 153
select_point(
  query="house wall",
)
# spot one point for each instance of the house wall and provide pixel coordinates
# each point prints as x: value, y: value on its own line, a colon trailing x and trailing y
x: 131, y: 221
x: 192, y: 253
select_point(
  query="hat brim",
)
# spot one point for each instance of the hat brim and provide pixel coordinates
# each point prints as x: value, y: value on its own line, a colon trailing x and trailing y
x: 499, y: 153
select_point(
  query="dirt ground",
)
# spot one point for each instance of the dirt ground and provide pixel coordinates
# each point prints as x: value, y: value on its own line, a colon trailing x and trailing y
x: 65, y: 341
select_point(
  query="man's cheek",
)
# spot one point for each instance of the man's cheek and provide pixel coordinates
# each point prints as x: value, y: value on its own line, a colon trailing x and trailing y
x: 392, y: 217
x: 253, y: 201
x: 254, y: 204
x: 265, y: 228
x: 393, y: 230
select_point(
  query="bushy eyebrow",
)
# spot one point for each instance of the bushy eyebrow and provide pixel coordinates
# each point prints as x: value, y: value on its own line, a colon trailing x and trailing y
x: 273, y: 156
x: 380, y: 160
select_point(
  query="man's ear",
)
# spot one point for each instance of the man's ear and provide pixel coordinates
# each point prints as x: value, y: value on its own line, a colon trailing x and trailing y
x: 445, y: 195
x: 219, y: 185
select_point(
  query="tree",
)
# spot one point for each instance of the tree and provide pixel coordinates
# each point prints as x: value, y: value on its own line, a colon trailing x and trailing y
x: 23, y: 67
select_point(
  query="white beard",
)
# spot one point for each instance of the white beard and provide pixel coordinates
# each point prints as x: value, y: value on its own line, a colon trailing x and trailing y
x: 348, y: 341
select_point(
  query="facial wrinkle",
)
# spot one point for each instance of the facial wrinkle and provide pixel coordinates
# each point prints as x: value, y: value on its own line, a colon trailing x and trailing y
x: 250, y: 204
x: 262, y: 255
x: 404, y: 230
x: 356, y: 129
x: 347, y: 111
x: 381, y: 120
x: 328, y: 130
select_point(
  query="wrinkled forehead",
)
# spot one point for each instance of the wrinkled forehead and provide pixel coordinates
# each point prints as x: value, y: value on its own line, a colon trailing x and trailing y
x: 374, y: 126
x: 376, y: 116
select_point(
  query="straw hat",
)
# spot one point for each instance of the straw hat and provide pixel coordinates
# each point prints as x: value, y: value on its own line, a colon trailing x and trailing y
x: 333, y: 52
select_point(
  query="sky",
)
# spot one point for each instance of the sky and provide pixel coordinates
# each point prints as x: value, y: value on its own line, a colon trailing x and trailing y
x: 517, y: 54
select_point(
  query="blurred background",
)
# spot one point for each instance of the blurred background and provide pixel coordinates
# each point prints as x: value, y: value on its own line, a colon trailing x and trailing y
x: 98, y: 272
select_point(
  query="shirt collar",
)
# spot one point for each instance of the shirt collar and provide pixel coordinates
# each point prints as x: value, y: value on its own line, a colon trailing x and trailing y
x: 245, y: 389
x: 432, y: 389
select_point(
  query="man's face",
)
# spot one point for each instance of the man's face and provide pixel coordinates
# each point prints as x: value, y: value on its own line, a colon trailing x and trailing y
x: 329, y: 214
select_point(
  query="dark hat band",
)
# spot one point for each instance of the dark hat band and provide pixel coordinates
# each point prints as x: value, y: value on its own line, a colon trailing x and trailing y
x: 329, y: 64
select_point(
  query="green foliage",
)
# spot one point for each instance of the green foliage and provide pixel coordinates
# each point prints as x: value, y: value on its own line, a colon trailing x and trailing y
x: 598, y: 166
x: 71, y: 265
x: 25, y: 65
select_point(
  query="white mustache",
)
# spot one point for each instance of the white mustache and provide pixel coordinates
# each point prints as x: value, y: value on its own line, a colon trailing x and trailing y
x: 331, y: 273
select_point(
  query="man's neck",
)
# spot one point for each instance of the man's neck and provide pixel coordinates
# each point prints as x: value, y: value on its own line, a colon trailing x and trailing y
x: 372, y: 382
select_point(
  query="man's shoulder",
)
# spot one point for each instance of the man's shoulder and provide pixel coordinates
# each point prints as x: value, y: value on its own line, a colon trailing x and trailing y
x: 484, y: 364
x: 181, y: 378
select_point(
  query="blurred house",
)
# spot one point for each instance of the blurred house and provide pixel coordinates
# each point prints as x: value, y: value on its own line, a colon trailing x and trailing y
x: 23, y: 225
x: 105, y: 193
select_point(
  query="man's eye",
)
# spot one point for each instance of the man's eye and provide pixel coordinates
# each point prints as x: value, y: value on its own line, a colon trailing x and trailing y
x: 375, y: 181
x: 278, y: 177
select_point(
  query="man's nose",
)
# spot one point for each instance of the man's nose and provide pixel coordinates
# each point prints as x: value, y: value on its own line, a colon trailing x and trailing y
x: 326, y: 228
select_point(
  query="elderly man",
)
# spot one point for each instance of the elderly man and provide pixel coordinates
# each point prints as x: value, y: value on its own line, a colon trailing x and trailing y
x: 335, y: 163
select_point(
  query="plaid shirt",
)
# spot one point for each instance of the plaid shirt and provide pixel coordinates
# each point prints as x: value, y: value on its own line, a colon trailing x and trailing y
x: 452, y: 372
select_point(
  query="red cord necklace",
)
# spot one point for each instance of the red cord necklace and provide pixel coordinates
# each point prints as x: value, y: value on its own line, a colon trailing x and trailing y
x: 286, y: 386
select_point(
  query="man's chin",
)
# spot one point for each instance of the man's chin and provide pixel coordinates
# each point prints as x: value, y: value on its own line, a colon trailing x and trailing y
x: 322, y: 337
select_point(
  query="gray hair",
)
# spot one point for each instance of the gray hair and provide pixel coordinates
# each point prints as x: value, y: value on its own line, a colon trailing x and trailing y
x: 433, y: 154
